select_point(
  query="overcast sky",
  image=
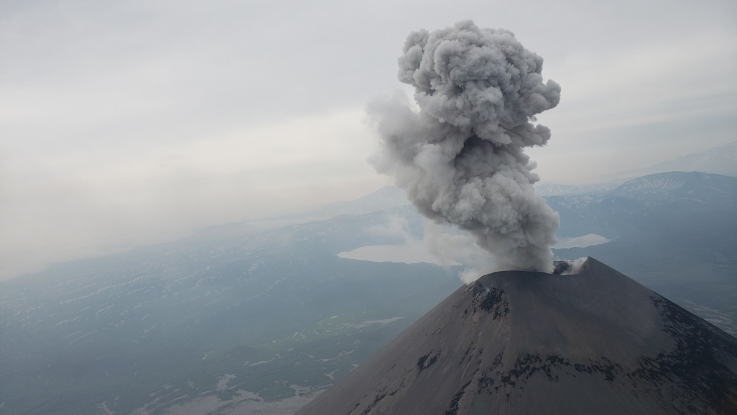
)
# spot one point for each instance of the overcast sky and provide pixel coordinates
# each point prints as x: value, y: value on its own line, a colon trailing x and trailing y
x: 132, y: 122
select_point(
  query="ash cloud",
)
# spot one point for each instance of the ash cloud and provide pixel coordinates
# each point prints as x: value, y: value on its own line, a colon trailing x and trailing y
x: 460, y: 157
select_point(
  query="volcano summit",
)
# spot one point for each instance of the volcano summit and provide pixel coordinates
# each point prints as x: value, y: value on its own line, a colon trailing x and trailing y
x: 519, y: 342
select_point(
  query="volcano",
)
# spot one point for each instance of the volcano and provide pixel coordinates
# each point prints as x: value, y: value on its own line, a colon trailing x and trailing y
x: 516, y: 342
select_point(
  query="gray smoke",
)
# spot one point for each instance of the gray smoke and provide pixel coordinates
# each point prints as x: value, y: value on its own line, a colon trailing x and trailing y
x: 460, y: 156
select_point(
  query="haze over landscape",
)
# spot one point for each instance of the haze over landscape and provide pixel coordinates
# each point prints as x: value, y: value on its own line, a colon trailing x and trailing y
x: 139, y: 122
x: 198, y: 211
x: 263, y: 315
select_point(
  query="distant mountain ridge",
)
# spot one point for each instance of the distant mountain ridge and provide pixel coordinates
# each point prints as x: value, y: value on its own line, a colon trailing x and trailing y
x: 713, y: 188
x: 718, y: 160
x: 545, y: 189
x: 672, y: 195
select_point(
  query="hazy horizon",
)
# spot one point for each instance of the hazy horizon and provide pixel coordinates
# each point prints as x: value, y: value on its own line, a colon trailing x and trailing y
x: 140, y: 122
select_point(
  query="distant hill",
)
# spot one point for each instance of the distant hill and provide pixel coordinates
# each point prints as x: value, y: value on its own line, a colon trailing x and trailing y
x: 695, y: 186
x: 551, y: 189
x: 718, y: 160
x: 656, y: 204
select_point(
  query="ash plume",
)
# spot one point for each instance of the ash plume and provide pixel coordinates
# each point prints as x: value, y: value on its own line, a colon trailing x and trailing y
x: 460, y: 157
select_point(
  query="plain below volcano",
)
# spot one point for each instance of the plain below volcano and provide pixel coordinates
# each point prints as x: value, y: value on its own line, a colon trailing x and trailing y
x: 533, y: 343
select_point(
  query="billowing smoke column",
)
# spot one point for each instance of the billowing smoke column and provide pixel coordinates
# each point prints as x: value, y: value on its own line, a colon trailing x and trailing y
x: 460, y: 157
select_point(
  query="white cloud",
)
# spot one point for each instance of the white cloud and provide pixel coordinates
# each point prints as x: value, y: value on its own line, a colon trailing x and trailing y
x: 59, y: 207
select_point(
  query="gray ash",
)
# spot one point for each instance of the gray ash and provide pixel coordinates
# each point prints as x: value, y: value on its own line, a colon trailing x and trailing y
x: 559, y: 267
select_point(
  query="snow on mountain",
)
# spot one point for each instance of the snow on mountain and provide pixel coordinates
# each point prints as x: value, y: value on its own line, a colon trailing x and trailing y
x: 694, y: 186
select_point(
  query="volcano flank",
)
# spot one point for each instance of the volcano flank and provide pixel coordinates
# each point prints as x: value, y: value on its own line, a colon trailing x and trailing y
x: 519, y: 342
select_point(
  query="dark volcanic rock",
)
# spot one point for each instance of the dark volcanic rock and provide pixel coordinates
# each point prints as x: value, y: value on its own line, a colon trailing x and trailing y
x: 533, y: 343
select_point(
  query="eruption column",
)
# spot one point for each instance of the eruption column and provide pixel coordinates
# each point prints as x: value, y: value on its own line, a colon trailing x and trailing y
x: 460, y: 157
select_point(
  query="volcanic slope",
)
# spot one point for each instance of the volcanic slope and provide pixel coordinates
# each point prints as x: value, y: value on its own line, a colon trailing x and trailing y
x: 531, y: 343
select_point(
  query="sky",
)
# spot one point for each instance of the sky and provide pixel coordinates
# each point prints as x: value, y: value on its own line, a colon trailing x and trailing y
x: 135, y: 122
